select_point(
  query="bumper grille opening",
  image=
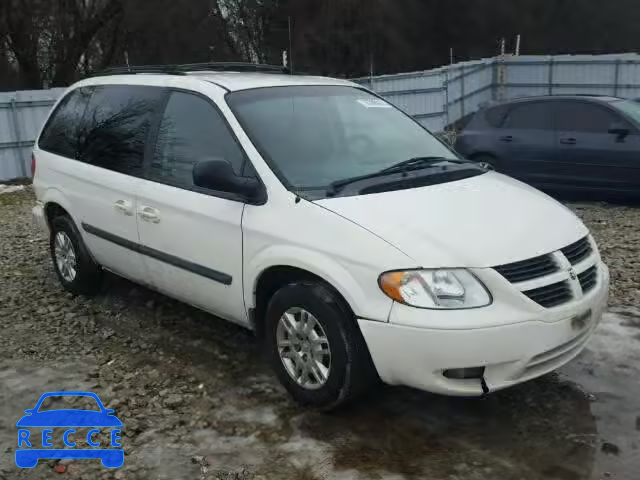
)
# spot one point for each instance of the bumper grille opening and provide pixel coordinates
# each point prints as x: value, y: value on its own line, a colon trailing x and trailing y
x: 588, y: 279
x: 576, y: 252
x: 528, y: 269
x: 551, y: 295
x: 464, y: 373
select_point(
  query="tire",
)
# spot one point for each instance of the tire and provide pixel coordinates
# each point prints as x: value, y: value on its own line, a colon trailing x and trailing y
x: 487, y: 161
x: 350, y: 369
x: 65, y: 243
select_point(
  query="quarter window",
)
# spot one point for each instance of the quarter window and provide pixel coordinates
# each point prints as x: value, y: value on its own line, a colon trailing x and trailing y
x: 191, y: 131
x: 61, y: 134
x: 529, y: 116
x: 117, y: 123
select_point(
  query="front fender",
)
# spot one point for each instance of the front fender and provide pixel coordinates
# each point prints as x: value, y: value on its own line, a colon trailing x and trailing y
x: 358, y: 284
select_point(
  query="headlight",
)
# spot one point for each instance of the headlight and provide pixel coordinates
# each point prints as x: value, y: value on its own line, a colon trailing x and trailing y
x: 437, y: 289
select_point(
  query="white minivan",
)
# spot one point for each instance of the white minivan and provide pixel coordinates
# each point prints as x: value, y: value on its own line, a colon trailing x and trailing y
x: 354, y: 243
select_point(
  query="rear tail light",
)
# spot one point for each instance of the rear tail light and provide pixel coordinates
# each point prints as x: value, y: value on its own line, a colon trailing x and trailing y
x: 33, y: 164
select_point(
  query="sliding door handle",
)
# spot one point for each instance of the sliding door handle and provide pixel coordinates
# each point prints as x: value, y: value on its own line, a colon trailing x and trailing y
x: 149, y: 214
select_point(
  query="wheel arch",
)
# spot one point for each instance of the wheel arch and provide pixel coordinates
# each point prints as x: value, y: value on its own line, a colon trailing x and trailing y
x: 274, y: 277
x: 55, y: 204
x: 277, y: 266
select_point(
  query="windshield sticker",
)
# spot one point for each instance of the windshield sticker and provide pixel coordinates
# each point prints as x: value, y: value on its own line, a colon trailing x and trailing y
x: 373, y: 103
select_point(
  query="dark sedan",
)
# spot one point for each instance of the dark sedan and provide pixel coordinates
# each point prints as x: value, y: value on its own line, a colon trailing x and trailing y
x: 558, y: 143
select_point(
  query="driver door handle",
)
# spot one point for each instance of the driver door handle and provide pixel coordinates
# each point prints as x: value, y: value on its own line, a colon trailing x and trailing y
x: 568, y: 141
x: 149, y: 214
x: 507, y: 138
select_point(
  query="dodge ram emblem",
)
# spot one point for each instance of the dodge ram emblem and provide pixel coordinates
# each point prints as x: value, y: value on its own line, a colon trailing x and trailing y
x: 572, y: 274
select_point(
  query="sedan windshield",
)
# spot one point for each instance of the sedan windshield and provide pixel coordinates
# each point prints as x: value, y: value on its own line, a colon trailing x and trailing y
x: 631, y: 108
x: 315, y: 136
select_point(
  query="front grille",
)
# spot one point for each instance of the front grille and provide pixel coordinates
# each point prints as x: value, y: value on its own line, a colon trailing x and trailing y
x: 588, y: 279
x: 576, y: 252
x: 550, y: 295
x: 528, y: 269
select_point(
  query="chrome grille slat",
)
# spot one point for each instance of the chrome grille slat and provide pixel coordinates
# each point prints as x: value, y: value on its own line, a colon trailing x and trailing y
x: 578, y: 251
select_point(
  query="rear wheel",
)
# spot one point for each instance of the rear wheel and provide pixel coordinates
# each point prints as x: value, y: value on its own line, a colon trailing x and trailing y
x: 76, y: 270
x: 315, y: 346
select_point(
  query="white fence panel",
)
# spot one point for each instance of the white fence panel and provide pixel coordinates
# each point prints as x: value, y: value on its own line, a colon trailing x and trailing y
x: 21, y: 117
x: 464, y: 87
x: 436, y: 98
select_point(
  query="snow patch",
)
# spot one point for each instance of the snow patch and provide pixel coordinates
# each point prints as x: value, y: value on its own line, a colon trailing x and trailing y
x: 10, y: 188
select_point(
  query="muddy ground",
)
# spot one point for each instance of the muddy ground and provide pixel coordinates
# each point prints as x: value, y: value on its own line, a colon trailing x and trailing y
x: 198, y: 402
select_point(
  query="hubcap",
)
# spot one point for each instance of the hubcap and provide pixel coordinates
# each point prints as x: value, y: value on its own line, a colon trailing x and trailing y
x: 65, y: 256
x: 304, y: 348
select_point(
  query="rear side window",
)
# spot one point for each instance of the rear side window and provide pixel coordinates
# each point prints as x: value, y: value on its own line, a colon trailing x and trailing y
x: 529, y: 116
x: 117, y: 122
x: 583, y: 117
x: 495, y: 115
x: 61, y: 135
x: 192, y: 130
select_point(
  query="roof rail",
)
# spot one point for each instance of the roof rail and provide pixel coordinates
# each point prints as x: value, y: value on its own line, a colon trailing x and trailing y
x: 183, y: 69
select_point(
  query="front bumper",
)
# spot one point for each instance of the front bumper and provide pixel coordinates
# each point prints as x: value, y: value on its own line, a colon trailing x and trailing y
x: 39, y: 218
x: 524, y: 347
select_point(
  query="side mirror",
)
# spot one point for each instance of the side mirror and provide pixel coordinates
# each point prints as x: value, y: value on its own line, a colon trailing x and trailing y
x: 619, y: 129
x: 29, y: 410
x: 219, y: 175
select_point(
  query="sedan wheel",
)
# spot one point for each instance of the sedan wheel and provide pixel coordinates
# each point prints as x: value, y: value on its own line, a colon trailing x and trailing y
x: 486, y: 165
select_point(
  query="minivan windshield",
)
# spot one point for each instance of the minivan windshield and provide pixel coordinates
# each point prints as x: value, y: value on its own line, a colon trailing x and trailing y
x: 316, y: 136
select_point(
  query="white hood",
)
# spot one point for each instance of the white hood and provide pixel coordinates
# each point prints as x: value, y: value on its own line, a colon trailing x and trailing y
x: 482, y: 221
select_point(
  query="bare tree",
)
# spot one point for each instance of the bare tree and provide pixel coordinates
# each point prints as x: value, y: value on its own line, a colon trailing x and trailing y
x: 49, y: 38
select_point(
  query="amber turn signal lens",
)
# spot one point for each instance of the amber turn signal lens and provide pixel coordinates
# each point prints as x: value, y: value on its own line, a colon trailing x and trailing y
x: 390, y: 284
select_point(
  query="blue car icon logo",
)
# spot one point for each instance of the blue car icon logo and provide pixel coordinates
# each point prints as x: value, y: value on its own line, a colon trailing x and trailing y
x: 30, y: 453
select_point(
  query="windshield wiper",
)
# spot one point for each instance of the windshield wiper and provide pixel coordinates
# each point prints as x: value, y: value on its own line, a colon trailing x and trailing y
x: 335, y: 187
x: 417, y: 163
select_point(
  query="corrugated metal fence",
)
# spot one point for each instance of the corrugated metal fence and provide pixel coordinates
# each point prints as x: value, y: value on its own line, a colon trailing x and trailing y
x: 442, y: 96
x: 21, y: 116
x: 436, y: 98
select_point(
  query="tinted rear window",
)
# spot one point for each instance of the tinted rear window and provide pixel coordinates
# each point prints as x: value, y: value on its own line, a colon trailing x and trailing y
x: 61, y: 133
x: 117, y: 122
x: 495, y: 115
x: 529, y: 116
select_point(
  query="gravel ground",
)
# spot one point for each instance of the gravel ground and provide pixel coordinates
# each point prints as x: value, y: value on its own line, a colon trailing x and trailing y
x: 198, y: 402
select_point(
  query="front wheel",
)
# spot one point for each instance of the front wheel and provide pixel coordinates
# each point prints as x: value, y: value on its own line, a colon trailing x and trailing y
x: 316, y: 347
